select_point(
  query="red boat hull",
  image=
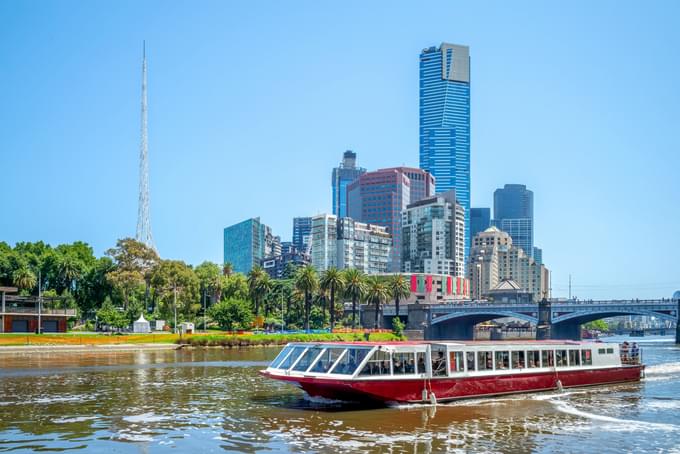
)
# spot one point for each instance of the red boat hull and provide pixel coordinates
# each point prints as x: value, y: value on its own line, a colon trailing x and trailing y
x: 450, y: 388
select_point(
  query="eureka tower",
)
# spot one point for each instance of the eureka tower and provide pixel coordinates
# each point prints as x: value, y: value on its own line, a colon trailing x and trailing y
x: 445, y: 121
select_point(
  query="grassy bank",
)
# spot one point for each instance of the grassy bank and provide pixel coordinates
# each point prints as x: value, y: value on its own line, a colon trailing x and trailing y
x: 212, y: 340
x: 200, y: 340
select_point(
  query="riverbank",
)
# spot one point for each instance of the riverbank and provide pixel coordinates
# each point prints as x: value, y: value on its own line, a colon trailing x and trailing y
x: 32, y: 349
x: 75, y: 342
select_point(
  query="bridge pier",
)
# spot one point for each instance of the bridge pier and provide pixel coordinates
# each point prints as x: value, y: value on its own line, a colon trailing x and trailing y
x: 677, y: 324
x: 566, y: 331
x: 543, y: 328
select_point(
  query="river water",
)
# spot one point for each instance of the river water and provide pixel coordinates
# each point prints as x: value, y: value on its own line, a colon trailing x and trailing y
x: 215, y: 401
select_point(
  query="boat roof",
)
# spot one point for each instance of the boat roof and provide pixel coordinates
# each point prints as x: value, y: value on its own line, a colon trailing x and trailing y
x: 452, y: 342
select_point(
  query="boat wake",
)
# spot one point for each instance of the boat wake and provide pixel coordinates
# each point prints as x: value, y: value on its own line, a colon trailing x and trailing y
x: 615, y: 424
x: 665, y: 371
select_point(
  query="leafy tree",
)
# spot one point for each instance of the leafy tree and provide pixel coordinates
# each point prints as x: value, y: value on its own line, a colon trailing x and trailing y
x: 210, y: 278
x: 398, y: 327
x: 333, y: 281
x: 306, y: 280
x: 178, y: 288
x: 110, y: 316
x: 599, y: 325
x: 24, y: 278
x: 135, y: 263
x: 232, y: 314
x: 227, y: 269
x: 398, y: 288
x: 355, y: 287
x: 376, y: 293
x: 235, y: 286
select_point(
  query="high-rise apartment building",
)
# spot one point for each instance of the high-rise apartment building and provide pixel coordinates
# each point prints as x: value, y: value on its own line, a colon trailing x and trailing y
x: 433, y: 231
x: 513, y: 212
x: 279, y: 266
x: 445, y: 120
x: 379, y: 197
x: 494, y: 258
x: 345, y: 243
x: 302, y: 233
x: 480, y: 220
x: 343, y: 176
x: 247, y: 243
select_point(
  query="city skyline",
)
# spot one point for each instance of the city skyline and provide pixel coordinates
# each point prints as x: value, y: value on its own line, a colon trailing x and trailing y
x: 77, y: 131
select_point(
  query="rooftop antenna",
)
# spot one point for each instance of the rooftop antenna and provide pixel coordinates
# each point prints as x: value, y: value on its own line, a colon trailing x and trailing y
x: 143, y: 218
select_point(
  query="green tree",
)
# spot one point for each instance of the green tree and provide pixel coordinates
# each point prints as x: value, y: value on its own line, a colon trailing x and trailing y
x: 355, y: 287
x: 398, y: 288
x: 332, y: 281
x: 307, y: 281
x: 599, y: 325
x: 110, y: 316
x: 232, y: 314
x: 24, y: 278
x: 235, y: 286
x: 227, y: 269
x: 135, y: 265
x: 256, y: 287
x: 376, y: 293
x: 178, y: 288
x: 210, y: 278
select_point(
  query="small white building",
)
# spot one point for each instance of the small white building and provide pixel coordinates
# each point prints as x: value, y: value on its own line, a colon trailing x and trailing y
x: 186, y: 328
x: 159, y: 325
x: 141, y: 325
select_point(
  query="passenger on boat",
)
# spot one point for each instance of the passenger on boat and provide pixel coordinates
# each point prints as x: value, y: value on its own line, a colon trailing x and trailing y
x: 421, y: 364
x: 385, y: 367
x: 624, y: 351
x: 410, y: 366
x: 635, y: 353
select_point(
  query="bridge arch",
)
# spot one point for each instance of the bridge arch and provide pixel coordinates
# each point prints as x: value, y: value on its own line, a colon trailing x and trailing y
x: 460, y: 325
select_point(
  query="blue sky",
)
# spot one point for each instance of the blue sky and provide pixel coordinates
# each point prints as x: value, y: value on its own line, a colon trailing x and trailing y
x: 253, y: 103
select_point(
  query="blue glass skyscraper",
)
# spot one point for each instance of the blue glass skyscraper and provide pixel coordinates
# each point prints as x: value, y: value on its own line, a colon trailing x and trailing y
x: 343, y: 175
x: 445, y: 121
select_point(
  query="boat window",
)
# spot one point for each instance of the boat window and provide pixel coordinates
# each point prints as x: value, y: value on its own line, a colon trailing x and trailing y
x: 470, y: 360
x: 610, y: 351
x: 327, y: 359
x: 574, y: 358
x: 307, y: 359
x: 456, y: 361
x: 601, y: 351
x: 518, y: 360
x: 420, y: 360
x: 484, y: 361
x: 502, y: 360
x: 561, y: 358
x: 290, y: 359
x: 586, y: 357
x: 548, y: 358
x: 534, y: 358
x: 378, y: 364
x: 349, y: 361
x: 403, y: 363
x: 438, y: 361
x: 280, y: 357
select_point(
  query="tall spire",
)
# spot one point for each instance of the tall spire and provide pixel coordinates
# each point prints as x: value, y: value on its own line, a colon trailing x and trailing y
x: 143, y: 217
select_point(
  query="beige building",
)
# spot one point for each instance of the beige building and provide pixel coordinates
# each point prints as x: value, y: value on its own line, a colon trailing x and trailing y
x: 493, y: 258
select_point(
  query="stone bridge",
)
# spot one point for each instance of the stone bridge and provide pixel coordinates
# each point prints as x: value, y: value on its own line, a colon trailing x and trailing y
x: 554, y: 319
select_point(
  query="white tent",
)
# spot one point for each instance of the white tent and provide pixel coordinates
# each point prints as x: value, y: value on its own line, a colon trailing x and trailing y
x: 141, y: 325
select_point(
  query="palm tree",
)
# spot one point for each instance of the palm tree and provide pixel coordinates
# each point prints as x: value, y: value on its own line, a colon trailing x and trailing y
x: 228, y: 269
x: 399, y: 288
x: 306, y: 281
x: 24, y: 278
x: 355, y: 287
x: 332, y: 281
x: 264, y: 288
x: 376, y: 293
x: 255, y: 277
x: 69, y: 271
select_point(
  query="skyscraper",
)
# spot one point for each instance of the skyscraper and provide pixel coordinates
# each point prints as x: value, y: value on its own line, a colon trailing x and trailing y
x: 513, y: 212
x: 343, y: 176
x: 302, y: 231
x: 433, y: 232
x: 379, y: 197
x: 480, y: 220
x: 247, y: 243
x: 445, y: 121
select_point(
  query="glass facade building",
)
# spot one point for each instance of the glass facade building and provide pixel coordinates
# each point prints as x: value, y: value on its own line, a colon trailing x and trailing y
x: 343, y: 176
x: 247, y: 243
x: 480, y: 220
x: 302, y: 233
x: 513, y: 212
x: 445, y: 121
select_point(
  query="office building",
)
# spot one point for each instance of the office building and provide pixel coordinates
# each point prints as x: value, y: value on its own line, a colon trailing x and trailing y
x: 445, y: 120
x: 379, y: 198
x: 343, y: 176
x: 433, y: 231
x: 247, y: 243
x: 302, y: 233
x: 513, y: 212
x: 291, y: 257
x: 345, y: 243
x: 480, y: 220
x: 494, y: 258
